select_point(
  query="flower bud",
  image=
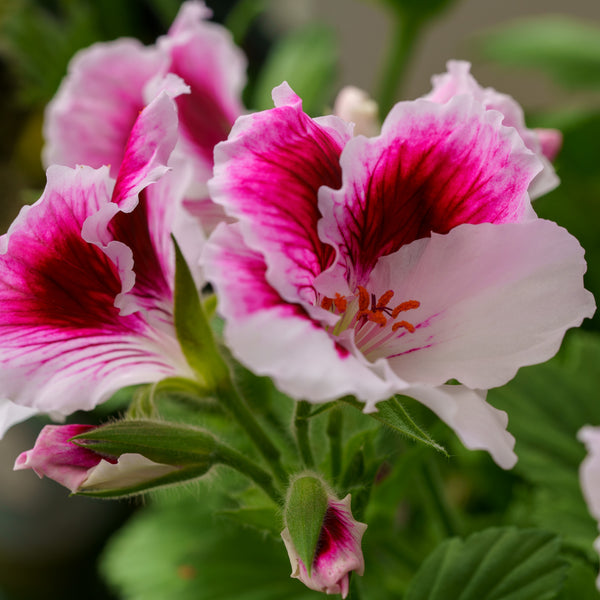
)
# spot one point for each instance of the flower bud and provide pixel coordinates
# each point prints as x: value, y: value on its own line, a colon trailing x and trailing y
x: 121, y: 458
x: 321, y: 536
x: 356, y: 106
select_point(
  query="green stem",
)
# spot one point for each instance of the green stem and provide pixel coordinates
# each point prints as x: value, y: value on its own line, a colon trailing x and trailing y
x: 438, y: 500
x: 236, y: 460
x: 354, y: 589
x: 334, y: 432
x: 230, y: 398
x: 404, y: 38
x: 301, y: 424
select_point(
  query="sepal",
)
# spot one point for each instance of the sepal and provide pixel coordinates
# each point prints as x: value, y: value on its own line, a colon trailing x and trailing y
x: 305, y: 508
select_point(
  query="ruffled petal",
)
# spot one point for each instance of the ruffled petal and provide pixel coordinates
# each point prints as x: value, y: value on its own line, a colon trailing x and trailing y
x: 458, y: 80
x: 479, y: 425
x: 434, y: 167
x: 278, y: 339
x: 64, y: 346
x: 11, y: 414
x: 267, y: 175
x: 204, y: 56
x: 90, y: 118
x: 492, y: 298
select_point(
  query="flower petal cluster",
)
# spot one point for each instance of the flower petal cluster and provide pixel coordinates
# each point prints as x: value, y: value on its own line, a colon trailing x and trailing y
x: 338, y: 551
x: 89, y: 120
x: 86, y: 297
x: 392, y: 264
x: 545, y: 143
x: 76, y: 468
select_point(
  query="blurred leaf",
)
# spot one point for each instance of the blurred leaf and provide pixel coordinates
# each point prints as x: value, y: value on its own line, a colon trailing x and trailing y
x: 495, y: 564
x: 179, y: 552
x: 564, y: 48
x: 255, y: 510
x: 547, y: 405
x: 42, y: 45
x: 580, y: 583
x: 307, y: 60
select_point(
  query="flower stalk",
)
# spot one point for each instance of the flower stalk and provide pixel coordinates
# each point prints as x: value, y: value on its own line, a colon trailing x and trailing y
x: 302, y: 427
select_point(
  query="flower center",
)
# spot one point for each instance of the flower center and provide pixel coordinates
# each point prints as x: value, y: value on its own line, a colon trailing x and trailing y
x: 365, y: 307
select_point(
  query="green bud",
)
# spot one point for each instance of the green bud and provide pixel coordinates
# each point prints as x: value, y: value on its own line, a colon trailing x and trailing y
x: 160, y: 442
x: 305, y: 508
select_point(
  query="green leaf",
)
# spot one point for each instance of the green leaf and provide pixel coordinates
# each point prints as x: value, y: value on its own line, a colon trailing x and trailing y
x: 305, y: 508
x: 192, y: 327
x: 307, y: 60
x: 179, y: 551
x: 165, y: 443
x: 566, y: 49
x: 495, y: 564
x: 580, y: 583
x: 393, y: 414
x: 547, y: 405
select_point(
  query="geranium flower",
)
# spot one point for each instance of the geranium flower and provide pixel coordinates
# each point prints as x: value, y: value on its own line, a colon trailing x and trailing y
x: 393, y: 264
x: 89, y: 120
x: 545, y: 143
x: 86, y: 293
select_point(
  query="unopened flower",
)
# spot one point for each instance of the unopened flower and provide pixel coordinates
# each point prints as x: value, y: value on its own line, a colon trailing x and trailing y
x: 545, y: 143
x: 56, y: 457
x: 356, y: 106
x: 589, y: 475
x: 89, y: 120
x: 393, y: 264
x: 86, y: 293
x: 335, y: 551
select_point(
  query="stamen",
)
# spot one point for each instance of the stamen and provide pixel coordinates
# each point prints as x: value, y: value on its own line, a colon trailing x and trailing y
x: 340, y: 303
x: 363, y: 299
x: 408, y: 305
x: 377, y: 317
x: 384, y: 299
x: 408, y: 326
x: 326, y: 303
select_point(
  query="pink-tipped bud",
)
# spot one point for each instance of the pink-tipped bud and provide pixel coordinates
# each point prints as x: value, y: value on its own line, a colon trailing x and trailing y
x: 337, y: 552
x: 80, y: 469
x: 54, y: 456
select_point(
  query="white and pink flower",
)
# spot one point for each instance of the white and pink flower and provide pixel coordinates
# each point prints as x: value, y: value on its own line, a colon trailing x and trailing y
x: 86, y: 295
x: 338, y: 552
x: 89, y: 120
x: 392, y: 264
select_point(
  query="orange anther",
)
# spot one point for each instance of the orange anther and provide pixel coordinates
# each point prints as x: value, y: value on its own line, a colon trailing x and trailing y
x: 408, y: 326
x: 408, y: 305
x: 384, y: 299
x: 377, y: 317
x: 326, y: 303
x: 363, y: 298
x: 340, y: 303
